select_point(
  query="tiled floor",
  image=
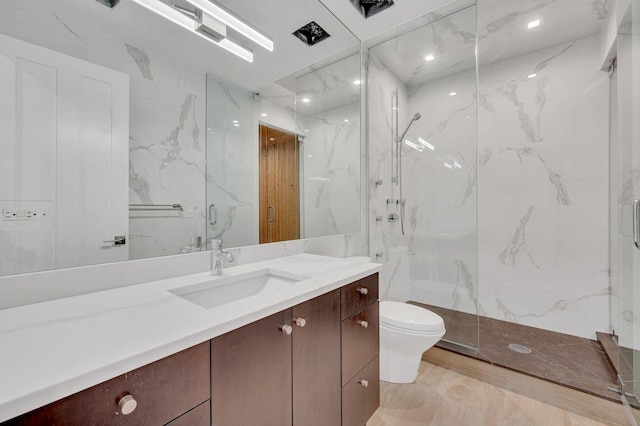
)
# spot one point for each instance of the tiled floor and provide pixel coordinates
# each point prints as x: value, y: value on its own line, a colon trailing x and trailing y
x: 443, y: 397
x: 567, y: 360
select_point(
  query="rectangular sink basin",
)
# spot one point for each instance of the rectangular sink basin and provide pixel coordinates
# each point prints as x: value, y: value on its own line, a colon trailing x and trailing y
x: 212, y: 293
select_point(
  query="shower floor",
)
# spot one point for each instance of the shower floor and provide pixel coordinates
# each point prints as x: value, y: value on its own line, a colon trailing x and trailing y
x: 571, y: 361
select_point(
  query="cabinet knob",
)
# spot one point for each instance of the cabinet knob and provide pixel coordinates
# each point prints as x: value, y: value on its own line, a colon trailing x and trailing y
x: 364, y: 383
x: 363, y: 290
x: 127, y: 404
x: 301, y: 322
x: 363, y: 323
x: 286, y: 329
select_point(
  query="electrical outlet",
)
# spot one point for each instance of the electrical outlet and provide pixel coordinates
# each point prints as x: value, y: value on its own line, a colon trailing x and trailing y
x: 10, y: 214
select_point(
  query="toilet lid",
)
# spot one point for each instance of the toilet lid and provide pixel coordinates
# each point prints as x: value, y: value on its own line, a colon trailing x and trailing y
x: 409, y: 317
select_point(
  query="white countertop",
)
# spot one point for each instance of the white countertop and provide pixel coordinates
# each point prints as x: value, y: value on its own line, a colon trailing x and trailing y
x: 53, y: 349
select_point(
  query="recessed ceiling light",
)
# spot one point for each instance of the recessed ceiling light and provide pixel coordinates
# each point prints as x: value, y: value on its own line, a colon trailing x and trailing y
x: 455, y: 163
x: 309, y: 155
x: 356, y: 82
x: 452, y: 94
x: 237, y: 125
x: 272, y: 139
x: 306, y: 100
x: 346, y: 120
x: 235, y: 121
x: 448, y: 166
x: 531, y: 75
x: 264, y: 114
x: 533, y: 24
x: 429, y: 58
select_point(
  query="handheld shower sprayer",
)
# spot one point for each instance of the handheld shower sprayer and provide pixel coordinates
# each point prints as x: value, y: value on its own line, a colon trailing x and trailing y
x: 401, y: 201
x: 417, y: 116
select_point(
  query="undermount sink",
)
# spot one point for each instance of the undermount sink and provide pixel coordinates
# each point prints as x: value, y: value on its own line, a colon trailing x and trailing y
x: 216, y: 292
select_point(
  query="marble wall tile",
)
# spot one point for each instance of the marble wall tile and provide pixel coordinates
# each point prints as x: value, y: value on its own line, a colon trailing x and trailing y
x: 330, y: 158
x: 543, y: 194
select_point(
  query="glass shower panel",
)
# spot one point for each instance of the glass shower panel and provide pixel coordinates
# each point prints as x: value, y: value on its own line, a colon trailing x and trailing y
x: 423, y: 225
x: 232, y: 165
x: 628, y: 107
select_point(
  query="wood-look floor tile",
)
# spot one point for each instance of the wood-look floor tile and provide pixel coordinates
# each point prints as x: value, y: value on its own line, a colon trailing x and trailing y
x: 444, y: 397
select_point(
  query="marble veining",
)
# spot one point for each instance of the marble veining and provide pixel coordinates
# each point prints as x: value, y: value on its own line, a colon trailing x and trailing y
x: 142, y: 60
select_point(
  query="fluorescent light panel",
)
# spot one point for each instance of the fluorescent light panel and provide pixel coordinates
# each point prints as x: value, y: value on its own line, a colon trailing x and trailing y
x: 184, y: 21
x: 233, y: 22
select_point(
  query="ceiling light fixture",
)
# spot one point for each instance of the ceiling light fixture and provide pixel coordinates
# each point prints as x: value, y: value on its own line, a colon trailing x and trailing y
x: 452, y: 94
x: 264, y: 114
x: 429, y: 58
x: 306, y: 100
x: 533, y: 24
x: 188, y: 23
x: 531, y: 75
x: 233, y: 22
x: 346, y: 120
x: 356, y: 82
x: 448, y: 166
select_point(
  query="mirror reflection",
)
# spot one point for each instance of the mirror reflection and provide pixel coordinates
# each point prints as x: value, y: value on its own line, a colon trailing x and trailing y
x: 284, y: 162
x: 110, y: 150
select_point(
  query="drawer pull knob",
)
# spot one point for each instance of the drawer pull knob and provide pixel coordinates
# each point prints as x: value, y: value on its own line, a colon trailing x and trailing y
x: 363, y: 290
x: 286, y: 329
x: 301, y: 322
x: 364, y: 383
x: 127, y: 404
x: 363, y: 323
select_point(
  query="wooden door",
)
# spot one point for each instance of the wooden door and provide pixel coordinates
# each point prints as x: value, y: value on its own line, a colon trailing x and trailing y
x: 316, y: 362
x: 251, y: 374
x: 279, y: 186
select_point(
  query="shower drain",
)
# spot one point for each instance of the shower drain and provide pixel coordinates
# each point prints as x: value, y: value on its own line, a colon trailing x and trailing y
x: 519, y: 348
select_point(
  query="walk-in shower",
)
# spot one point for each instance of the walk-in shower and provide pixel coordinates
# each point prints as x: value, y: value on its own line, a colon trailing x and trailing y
x: 500, y: 160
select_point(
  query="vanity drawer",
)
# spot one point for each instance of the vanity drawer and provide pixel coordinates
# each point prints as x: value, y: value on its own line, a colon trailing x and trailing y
x: 361, y: 396
x: 360, y: 341
x: 163, y: 391
x: 358, y: 295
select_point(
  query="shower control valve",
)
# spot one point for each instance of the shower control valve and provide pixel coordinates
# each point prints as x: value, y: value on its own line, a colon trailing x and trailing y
x: 393, y: 217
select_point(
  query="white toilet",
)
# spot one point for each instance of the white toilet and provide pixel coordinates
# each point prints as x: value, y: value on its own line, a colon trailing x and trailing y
x: 406, y: 332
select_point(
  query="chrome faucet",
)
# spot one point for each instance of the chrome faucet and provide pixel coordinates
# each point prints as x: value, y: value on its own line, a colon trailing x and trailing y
x: 218, y: 257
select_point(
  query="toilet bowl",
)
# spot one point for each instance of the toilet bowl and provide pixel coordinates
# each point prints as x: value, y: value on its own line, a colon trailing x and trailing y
x: 406, y: 332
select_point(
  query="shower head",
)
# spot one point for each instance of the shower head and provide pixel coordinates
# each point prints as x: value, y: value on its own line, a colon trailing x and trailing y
x: 417, y: 116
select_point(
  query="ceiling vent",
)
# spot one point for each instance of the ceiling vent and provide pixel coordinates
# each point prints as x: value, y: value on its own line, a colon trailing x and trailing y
x: 369, y: 8
x: 311, y: 33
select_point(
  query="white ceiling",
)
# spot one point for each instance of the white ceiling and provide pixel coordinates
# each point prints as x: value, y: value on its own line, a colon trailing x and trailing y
x: 502, y: 31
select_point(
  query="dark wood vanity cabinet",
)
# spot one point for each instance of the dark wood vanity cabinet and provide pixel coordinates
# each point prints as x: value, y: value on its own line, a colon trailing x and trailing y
x: 360, y: 349
x: 281, y: 370
x: 315, y: 364
x: 251, y: 374
x: 163, y: 390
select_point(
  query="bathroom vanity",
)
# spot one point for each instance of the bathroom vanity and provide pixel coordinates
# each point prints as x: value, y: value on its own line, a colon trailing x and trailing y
x: 301, y: 350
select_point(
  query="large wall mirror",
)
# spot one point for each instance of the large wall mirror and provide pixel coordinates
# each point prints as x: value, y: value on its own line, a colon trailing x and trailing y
x: 284, y: 161
x: 127, y: 135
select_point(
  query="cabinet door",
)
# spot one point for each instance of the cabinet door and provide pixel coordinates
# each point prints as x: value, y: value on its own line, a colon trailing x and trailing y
x: 316, y: 361
x: 251, y: 374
